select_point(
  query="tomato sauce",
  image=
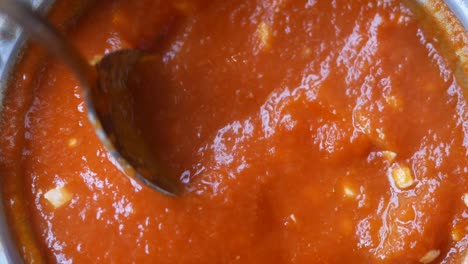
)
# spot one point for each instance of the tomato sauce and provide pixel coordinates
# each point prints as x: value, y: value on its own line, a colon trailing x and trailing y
x: 302, y: 132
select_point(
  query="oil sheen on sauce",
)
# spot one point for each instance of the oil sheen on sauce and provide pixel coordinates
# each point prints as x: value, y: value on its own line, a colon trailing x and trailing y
x: 303, y: 132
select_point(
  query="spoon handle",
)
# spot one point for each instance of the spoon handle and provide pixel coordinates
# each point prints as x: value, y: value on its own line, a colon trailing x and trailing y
x: 52, y: 40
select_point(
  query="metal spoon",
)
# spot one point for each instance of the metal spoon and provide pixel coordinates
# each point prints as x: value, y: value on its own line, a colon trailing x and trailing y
x: 108, y: 99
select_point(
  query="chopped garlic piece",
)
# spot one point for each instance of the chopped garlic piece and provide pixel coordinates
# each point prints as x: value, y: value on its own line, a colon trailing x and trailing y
x: 264, y: 35
x: 290, y: 221
x: 293, y: 218
x: 465, y: 199
x: 95, y: 59
x: 58, y: 196
x: 456, y: 235
x: 72, y: 142
x: 389, y: 155
x: 402, y: 177
x: 430, y: 256
x: 349, y: 192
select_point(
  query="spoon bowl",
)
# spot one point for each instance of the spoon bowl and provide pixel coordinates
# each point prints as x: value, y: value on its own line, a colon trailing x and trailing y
x: 113, y: 104
x: 108, y: 99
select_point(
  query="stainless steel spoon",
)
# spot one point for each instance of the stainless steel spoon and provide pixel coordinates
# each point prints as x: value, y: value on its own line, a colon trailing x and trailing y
x: 107, y: 97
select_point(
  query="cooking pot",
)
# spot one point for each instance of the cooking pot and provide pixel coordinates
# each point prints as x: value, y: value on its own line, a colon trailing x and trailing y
x: 12, y: 42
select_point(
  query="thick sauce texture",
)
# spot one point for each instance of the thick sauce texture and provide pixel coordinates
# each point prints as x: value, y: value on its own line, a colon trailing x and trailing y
x: 302, y: 132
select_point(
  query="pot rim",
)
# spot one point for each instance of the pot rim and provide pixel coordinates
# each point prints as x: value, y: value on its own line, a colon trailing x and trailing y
x: 11, y: 47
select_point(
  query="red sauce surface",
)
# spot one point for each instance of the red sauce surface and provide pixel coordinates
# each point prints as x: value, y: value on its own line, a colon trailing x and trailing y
x: 286, y: 121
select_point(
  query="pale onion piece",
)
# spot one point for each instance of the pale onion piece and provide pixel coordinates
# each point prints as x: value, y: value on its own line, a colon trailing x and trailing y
x: 264, y: 34
x: 389, y: 155
x: 465, y: 199
x: 430, y: 256
x: 456, y: 235
x: 293, y: 218
x: 402, y: 177
x: 58, y: 196
x: 95, y: 59
x: 349, y: 192
x: 465, y: 259
x: 72, y: 142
